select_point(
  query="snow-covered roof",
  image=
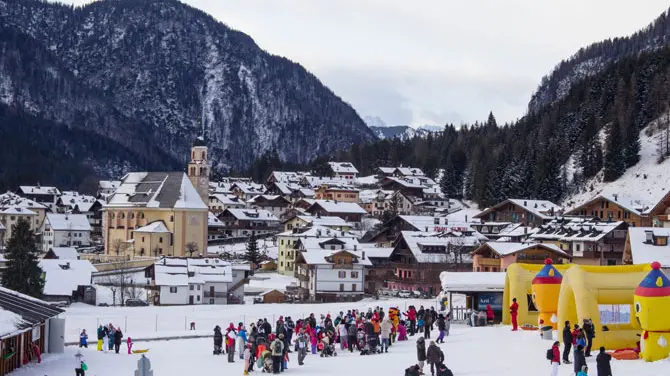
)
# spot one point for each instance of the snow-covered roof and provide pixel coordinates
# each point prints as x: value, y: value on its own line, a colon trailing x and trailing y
x: 170, y: 276
x: 387, y: 170
x: 644, y: 252
x: 508, y: 248
x: 325, y: 221
x: 410, y: 171
x: 317, y: 231
x: 63, y: 277
x: 635, y: 205
x: 377, y: 252
x: 367, y: 180
x: 65, y: 253
x: 249, y: 188
x: 339, y: 207
x: 576, y: 229
x: 283, y: 188
x: 213, y: 221
x: 68, y: 222
x: 38, y: 190
x: 418, y: 241
x: 228, y: 200
x: 251, y: 214
x: 307, y: 192
x: 156, y: 227
x: 542, y: 209
x: 12, y: 199
x: 175, y: 271
x: 343, y: 168
x: 407, y: 183
x: 157, y: 190
x: 286, y: 176
x: 320, y: 257
x: 15, y: 210
x: 10, y: 323
x: 473, y: 281
x: 75, y: 200
x: 322, y: 243
x: 109, y: 184
x: 317, y: 181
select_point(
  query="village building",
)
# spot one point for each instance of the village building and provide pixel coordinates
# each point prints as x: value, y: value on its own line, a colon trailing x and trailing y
x: 26, y: 322
x: 408, y: 188
x: 343, y: 171
x: 107, y: 187
x: 152, y: 198
x: 392, y: 228
x: 247, y: 191
x: 588, y: 241
x: 498, y: 256
x: 221, y: 187
x: 276, y: 205
x: 66, y: 279
x: 219, y: 202
x: 10, y: 216
x: 348, y: 211
x: 76, y: 203
x: 62, y: 253
x: 46, y: 196
x: 300, y: 221
x: 288, y: 245
x: 645, y: 245
x: 10, y: 199
x: 343, y: 193
x: 286, y: 177
x: 614, y: 207
x: 505, y: 231
x: 419, y: 257
x: 375, y: 201
x: 216, y: 230
x: 380, y: 271
x: 658, y: 215
x: 245, y: 222
x: 528, y: 212
x: 65, y: 230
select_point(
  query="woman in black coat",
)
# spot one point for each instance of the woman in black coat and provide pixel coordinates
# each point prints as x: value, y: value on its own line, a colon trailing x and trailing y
x: 421, y: 352
x: 579, y: 360
x: 117, y: 339
x: 603, y: 362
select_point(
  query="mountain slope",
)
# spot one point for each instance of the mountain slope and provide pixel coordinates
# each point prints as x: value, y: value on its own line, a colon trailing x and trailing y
x: 595, y: 58
x: 404, y: 132
x: 154, y: 72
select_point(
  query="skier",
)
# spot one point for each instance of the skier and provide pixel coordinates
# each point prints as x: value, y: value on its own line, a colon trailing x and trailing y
x: 514, y: 311
x: 421, y: 353
x: 83, y: 339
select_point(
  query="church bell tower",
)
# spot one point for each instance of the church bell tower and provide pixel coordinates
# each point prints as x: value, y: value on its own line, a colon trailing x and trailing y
x: 198, y: 169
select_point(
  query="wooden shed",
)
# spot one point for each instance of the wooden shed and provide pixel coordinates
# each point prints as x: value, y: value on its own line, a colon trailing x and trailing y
x: 269, y: 265
x: 273, y: 296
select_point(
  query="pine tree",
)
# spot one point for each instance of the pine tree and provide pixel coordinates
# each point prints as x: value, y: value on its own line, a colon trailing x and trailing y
x: 614, y: 164
x: 253, y: 255
x: 23, y: 273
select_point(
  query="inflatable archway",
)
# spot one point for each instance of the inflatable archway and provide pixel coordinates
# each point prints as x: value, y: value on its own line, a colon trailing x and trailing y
x: 518, y: 283
x: 585, y: 287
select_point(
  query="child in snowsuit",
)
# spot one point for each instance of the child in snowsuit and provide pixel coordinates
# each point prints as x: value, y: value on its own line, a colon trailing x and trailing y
x: 402, y: 331
x: 313, y: 340
x: 584, y: 371
x: 129, y: 343
x: 83, y: 339
x: 110, y: 335
x: 79, y: 364
x: 99, y: 338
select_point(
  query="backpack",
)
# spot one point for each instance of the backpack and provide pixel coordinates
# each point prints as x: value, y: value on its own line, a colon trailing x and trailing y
x: 277, y: 347
x: 550, y: 354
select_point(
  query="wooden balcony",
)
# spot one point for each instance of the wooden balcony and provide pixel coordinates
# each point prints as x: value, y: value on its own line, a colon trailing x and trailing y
x: 485, y: 261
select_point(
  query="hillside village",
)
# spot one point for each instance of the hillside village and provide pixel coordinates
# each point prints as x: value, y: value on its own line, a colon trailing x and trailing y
x: 178, y: 238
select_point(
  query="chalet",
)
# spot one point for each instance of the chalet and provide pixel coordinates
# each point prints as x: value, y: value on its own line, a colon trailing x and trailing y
x: 343, y: 170
x: 418, y: 258
x: 10, y: 199
x: 46, y: 196
x: 65, y: 230
x: 215, y: 228
x: 26, y: 322
x: 285, y: 177
x: 527, y: 212
x: 245, y: 222
x: 76, y: 203
x: 289, y: 245
x: 62, y: 253
x: 343, y: 193
x: 221, y: 188
x: 391, y: 229
x: 383, y: 172
x: 614, y: 207
x: 645, y: 245
x: 375, y: 201
x: 505, y: 231
x: 315, y: 182
x: 588, y: 241
x: 658, y: 215
x: 300, y: 221
x: 65, y: 279
x: 498, y: 256
x: 402, y: 185
x: 380, y: 271
x: 247, y: 191
x: 331, y: 275
x: 219, y: 202
x: 284, y: 190
x: 274, y: 204
x: 348, y: 211
x: 10, y: 216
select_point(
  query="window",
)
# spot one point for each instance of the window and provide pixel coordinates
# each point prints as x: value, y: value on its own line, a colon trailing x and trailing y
x: 191, y: 287
x: 211, y: 301
x: 143, y: 239
x: 353, y: 287
x: 160, y: 240
x: 281, y: 242
x: 341, y: 286
x: 172, y: 218
x: 199, y: 287
x: 354, y: 274
x: 173, y: 290
x: 198, y: 297
x: 281, y: 264
x: 342, y: 274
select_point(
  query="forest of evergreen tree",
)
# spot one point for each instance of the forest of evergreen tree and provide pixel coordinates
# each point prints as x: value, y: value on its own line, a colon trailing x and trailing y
x: 598, y: 122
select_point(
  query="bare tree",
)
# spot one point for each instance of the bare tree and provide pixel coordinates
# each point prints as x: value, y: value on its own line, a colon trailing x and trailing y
x: 118, y: 246
x: 119, y: 281
x: 191, y: 248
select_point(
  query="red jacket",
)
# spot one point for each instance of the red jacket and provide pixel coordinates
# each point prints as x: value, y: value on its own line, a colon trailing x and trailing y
x: 514, y: 308
x: 557, y: 355
x: 489, y: 313
x: 575, y: 334
x: 411, y: 314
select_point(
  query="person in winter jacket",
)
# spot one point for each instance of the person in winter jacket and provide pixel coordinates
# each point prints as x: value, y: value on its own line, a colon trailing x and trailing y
x: 447, y: 322
x: 444, y: 371
x: 99, y: 333
x: 590, y: 333
x: 584, y: 371
x: 603, y: 363
x: 247, y: 358
x: 277, y: 350
x: 433, y: 320
x: 421, y: 353
x: 434, y: 356
x: 129, y: 344
x: 218, y: 340
x: 302, y: 341
x: 105, y: 338
x: 581, y: 339
x: 352, y: 331
x: 83, y: 339
x: 386, y: 329
x: 402, y: 331
x: 110, y: 342
x: 579, y: 359
x: 79, y: 364
x: 427, y: 323
x: 241, y: 339
x: 342, y: 331
x: 118, y: 335
x: 556, y: 358
x: 231, y: 336
x: 290, y: 328
x: 567, y: 342
x: 413, y: 370
x: 313, y: 340
x: 441, y: 327
x: 489, y: 314
x: 514, y: 312
x: 411, y: 316
x: 575, y: 335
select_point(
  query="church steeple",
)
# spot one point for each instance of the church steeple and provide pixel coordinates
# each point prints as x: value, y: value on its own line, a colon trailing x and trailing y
x: 198, y: 168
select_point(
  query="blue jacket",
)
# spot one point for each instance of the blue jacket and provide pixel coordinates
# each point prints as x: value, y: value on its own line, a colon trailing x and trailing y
x: 83, y: 338
x: 243, y: 334
x: 581, y: 341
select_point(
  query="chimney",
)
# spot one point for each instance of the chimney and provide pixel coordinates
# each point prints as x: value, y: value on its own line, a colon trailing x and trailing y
x: 525, y: 230
x: 342, y: 232
x: 616, y: 196
x: 363, y: 255
x: 355, y: 247
x: 67, y: 265
x: 525, y: 203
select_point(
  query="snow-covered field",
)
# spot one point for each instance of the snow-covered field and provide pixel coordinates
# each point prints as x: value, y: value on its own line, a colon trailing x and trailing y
x: 494, y: 351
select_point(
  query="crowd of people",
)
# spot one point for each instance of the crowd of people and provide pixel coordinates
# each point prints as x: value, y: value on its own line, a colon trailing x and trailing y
x: 580, y: 341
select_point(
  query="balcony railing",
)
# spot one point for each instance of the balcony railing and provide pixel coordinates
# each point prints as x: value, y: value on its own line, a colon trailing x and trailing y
x: 485, y: 261
x: 215, y: 294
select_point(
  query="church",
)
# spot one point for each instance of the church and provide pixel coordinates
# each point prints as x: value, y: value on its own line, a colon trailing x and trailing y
x: 160, y: 213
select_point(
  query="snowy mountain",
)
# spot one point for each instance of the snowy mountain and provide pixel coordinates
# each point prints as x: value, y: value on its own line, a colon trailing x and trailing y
x: 374, y: 121
x: 595, y: 58
x: 404, y: 132
x: 151, y: 74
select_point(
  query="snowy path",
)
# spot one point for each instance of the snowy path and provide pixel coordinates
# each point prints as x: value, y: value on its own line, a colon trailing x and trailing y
x: 469, y: 351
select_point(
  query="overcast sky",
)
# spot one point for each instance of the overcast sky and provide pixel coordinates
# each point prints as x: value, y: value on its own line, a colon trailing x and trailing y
x: 431, y: 61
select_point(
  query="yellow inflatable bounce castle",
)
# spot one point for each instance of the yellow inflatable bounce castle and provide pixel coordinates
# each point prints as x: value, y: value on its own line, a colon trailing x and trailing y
x: 652, y: 309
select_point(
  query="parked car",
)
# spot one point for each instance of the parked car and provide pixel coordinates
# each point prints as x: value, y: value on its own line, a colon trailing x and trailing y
x: 136, y: 303
x: 405, y: 294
